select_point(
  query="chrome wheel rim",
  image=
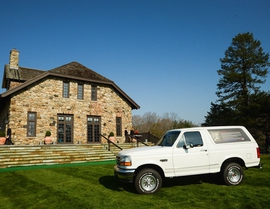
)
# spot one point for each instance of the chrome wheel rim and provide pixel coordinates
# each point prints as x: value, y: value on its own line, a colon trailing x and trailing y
x: 148, y: 182
x: 234, y: 175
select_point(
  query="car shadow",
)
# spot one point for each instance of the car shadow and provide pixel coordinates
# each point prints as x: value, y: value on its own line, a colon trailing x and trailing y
x: 113, y: 183
x: 191, y: 180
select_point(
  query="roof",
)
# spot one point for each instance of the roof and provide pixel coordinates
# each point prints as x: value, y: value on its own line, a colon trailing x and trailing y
x: 73, y: 70
x: 21, y: 74
x: 78, y: 70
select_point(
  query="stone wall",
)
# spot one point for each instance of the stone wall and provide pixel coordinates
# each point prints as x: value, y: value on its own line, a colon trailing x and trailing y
x: 13, y: 84
x: 45, y: 98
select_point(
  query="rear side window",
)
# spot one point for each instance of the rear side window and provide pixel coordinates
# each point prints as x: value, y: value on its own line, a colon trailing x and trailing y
x: 228, y: 135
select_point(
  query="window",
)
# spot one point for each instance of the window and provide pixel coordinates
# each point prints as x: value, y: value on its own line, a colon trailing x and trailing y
x: 168, y: 138
x: 118, y: 126
x: 94, y: 93
x: 228, y: 135
x: 66, y: 89
x: 31, y: 124
x: 80, y: 91
x: 193, y: 138
x: 181, y: 142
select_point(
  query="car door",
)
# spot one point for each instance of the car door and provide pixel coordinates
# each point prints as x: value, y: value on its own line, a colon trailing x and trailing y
x: 190, y: 155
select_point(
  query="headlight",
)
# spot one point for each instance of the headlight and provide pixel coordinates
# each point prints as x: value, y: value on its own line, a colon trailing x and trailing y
x: 125, y: 160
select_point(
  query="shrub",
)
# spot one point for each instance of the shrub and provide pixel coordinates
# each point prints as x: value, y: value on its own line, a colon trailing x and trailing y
x: 2, y: 134
x: 48, y: 133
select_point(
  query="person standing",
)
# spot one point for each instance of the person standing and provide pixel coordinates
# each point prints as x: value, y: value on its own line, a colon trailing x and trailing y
x: 131, y: 134
x: 9, y: 141
x: 126, y: 135
x: 267, y: 143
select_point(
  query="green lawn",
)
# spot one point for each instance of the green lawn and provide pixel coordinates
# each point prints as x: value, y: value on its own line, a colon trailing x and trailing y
x: 93, y: 185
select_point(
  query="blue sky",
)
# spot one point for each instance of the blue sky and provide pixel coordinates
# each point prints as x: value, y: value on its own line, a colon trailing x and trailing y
x: 163, y: 53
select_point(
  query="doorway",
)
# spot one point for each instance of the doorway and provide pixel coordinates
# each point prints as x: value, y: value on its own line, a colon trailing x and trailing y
x: 65, y: 129
x: 93, y: 129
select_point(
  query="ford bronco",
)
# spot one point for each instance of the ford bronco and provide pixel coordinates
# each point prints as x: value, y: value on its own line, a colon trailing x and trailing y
x: 189, y: 151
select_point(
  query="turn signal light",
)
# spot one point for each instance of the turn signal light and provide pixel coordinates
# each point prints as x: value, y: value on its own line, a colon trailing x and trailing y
x: 125, y: 163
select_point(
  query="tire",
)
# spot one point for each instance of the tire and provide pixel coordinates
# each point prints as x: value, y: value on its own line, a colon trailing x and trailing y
x: 148, y: 181
x: 233, y: 174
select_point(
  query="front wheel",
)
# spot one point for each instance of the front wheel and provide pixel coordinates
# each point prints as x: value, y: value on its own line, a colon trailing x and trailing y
x: 148, y: 181
x: 233, y: 174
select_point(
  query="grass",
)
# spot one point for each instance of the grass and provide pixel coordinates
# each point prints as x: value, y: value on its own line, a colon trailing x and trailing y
x: 93, y: 185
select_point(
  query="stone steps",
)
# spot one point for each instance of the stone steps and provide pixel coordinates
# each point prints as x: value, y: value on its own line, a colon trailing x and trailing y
x: 13, y: 155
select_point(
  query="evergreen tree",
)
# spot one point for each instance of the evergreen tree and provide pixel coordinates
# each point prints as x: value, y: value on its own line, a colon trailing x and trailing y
x: 220, y: 114
x: 244, y: 66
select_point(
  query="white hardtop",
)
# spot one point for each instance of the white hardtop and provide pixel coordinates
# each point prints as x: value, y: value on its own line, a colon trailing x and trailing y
x: 208, y: 128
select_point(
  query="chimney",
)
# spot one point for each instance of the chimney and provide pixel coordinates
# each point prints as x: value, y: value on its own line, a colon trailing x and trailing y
x: 14, y: 59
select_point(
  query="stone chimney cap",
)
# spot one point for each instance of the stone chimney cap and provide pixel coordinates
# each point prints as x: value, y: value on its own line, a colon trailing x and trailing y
x: 14, y: 59
x: 14, y: 49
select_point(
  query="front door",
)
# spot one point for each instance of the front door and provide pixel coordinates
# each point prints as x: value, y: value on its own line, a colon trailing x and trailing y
x: 192, y: 160
x: 65, y: 129
x: 93, y: 129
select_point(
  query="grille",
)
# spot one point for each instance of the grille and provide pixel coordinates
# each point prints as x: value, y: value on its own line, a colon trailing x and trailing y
x: 118, y: 160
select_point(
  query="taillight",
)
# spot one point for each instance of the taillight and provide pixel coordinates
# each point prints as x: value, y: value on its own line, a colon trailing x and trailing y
x: 258, y: 152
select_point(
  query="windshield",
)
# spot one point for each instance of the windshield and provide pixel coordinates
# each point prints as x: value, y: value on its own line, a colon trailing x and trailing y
x: 168, y: 138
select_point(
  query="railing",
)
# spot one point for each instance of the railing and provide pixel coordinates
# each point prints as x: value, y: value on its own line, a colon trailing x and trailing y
x: 110, y: 142
x: 136, y: 137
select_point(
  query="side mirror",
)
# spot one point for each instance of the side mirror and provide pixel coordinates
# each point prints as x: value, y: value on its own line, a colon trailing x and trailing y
x: 188, y: 146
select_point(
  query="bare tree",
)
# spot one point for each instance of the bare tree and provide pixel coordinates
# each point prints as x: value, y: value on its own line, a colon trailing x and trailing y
x: 151, y: 122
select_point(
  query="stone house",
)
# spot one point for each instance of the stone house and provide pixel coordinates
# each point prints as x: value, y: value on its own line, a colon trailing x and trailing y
x: 73, y: 102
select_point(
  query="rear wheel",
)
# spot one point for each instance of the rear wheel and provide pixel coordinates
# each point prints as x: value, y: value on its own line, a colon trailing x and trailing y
x: 148, y: 181
x: 233, y: 174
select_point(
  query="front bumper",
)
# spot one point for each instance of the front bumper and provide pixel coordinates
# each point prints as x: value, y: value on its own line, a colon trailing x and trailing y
x: 124, y: 175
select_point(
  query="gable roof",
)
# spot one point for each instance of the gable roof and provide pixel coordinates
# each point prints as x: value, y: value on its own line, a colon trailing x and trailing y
x: 21, y: 74
x: 73, y: 70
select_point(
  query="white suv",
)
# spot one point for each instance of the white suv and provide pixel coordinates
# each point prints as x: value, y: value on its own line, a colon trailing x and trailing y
x: 190, y: 151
